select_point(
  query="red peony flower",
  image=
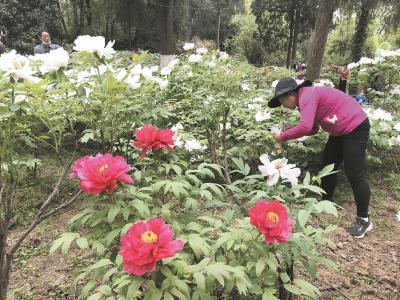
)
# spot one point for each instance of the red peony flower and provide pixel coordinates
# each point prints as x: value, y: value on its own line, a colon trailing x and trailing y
x: 272, y: 220
x: 101, y: 172
x: 150, y: 138
x: 145, y: 244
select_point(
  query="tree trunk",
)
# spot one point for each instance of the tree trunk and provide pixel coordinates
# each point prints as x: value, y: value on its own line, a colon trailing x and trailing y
x: 88, y: 14
x: 129, y: 26
x: 218, y: 24
x: 295, y: 34
x: 76, y: 17
x: 167, y: 36
x: 82, y: 15
x: 361, y: 30
x: 64, y: 25
x: 290, y: 42
x: 324, y: 18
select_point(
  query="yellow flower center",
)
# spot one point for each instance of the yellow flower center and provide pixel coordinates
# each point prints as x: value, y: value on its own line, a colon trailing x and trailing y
x: 149, y: 237
x: 17, y: 65
x: 273, y: 217
x: 103, y: 168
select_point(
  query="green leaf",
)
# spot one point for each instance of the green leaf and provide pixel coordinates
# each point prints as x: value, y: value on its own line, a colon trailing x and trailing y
x: 307, y: 179
x: 152, y: 292
x: 82, y: 243
x: 285, y: 277
x: 269, y: 294
x: 326, y: 206
x: 303, y: 217
x: 112, y: 212
x: 96, y: 296
x: 326, y: 171
x: 112, y: 235
x: 88, y: 135
x: 200, y: 280
x: 307, y: 288
x: 126, y: 228
x: 105, y: 290
x: 260, y: 266
x: 292, y: 288
x: 101, y: 263
x: 87, y: 288
x: 198, y: 245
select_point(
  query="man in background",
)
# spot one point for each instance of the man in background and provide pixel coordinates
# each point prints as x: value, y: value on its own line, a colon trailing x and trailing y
x: 46, y: 46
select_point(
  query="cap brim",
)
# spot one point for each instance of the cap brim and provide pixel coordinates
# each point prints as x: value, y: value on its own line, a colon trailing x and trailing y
x: 274, y: 102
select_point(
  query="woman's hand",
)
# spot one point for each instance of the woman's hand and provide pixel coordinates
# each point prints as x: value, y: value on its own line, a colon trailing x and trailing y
x: 277, y: 135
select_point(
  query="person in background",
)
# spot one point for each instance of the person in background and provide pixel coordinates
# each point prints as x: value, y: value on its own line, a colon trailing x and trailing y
x: 348, y: 125
x: 46, y: 46
x: 361, y: 98
x: 344, y: 73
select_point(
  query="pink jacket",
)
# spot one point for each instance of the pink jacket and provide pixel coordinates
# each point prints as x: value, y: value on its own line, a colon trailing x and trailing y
x: 336, y: 112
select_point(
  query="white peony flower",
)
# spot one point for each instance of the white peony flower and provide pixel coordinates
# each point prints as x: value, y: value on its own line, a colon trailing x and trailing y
x: 324, y: 82
x: 192, y: 145
x: 137, y: 70
x: 254, y: 106
x: 380, y: 114
x: 53, y: 60
x: 227, y: 126
x: 154, y: 69
x: 201, y: 50
x: 352, y: 65
x: 385, y: 126
x: 395, y: 90
x: 245, y: 87
x: 195, y: 58
x: 20, y: 98
x: 147, y: 73
x: 223, y: 55
x: 121, y: 75
x: 394, y: 141
x: 133, y: 81
x: 188, y: 46
x: 162, y: 83
x: 94, y: 44
x: 17, y: 66
x: 303, y: 138
x: 397, y: 127
x: 262, y: 116
x: 278, y: 168
x: 177, y: 127
x: 211, y: 64
x: 166, y: 71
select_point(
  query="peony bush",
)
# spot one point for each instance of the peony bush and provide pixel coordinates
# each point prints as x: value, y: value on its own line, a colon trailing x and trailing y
x: 185, y: 193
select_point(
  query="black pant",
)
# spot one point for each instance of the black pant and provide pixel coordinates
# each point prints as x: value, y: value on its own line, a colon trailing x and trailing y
x: 350, y: 148
x: 342, y: 85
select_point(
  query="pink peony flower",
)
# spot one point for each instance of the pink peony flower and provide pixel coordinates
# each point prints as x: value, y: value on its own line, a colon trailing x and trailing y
x: 100, y: 173
x: 272, y: 220
x: 145, y: 244
x: 150, y: 138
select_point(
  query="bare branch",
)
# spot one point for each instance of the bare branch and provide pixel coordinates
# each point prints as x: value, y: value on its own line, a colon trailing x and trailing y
x: 41, y: 215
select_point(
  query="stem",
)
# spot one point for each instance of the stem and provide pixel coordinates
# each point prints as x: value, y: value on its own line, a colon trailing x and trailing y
x: 252, y: 242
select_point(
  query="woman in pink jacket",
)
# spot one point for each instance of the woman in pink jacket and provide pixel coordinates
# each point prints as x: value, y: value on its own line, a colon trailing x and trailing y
x: 348, y: 126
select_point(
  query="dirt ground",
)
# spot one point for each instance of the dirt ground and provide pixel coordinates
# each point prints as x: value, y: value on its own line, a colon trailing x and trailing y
x: 367, y: 269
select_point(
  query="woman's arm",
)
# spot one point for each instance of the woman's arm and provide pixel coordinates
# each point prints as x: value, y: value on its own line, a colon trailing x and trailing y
x: 306, y: 123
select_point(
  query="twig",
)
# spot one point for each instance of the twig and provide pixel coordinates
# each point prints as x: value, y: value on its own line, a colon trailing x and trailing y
x: 40, y: 216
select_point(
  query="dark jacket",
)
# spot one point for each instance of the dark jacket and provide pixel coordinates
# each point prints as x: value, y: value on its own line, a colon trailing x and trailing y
x: 43, y: 48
